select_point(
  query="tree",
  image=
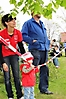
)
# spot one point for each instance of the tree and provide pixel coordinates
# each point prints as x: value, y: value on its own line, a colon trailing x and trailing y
x: 36, y: 6
x: 52, y: 29
x: 1, y: 13
x: 62, y: 18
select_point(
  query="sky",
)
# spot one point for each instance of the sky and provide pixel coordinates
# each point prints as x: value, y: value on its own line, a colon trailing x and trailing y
x: 5, y: 5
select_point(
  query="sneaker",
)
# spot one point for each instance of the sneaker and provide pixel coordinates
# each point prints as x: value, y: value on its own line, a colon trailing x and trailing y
x: 10, y: 98
x: 57, y: 66
x: 47, y: 92
x: 22, y: 98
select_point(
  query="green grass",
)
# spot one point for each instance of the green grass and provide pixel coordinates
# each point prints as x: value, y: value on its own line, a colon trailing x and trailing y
x: 57, y: 83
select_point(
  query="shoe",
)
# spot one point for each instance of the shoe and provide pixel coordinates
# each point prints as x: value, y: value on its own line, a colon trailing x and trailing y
x: 21, y: 98
x: 10, y: 98
x: 47, y: 92
x: 57, y: 66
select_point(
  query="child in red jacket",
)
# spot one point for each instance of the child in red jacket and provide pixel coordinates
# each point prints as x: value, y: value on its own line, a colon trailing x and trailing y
x: 28, y: 76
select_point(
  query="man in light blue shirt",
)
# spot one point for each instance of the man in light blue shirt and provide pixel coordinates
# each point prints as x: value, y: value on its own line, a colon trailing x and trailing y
x: 34, y: 33
x: 64, y: 45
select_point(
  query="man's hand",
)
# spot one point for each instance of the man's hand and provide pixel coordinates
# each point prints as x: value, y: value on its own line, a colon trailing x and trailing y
x: 34, y: 41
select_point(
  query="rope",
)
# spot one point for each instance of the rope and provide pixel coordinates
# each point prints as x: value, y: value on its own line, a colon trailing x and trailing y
x: 52, y: 58
x: 19, y: 54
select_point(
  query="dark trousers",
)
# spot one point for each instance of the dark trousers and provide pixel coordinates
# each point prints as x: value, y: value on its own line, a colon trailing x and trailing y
x: 0, y: 67
x: 13, y: 62
x: 41, y: 57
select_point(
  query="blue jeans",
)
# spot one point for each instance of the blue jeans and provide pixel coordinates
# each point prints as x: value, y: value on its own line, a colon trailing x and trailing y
x: 55, y: 61
x: 12, y: 61
x: 28, y: 92
x: 41, y: 57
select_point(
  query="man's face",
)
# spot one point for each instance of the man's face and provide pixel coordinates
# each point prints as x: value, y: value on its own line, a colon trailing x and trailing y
x: 38, y: 16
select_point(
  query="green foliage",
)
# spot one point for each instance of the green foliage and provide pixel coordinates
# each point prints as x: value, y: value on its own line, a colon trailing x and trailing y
x: 1, y: 26
x: 1, y: 13
x: 14, y: 12
x: 13, y: 2
x: 56, y: 5
x: 27, y: 6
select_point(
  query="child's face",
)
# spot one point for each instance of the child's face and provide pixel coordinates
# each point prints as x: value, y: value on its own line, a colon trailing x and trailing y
x: 30, y: 61
x: 56, y: 48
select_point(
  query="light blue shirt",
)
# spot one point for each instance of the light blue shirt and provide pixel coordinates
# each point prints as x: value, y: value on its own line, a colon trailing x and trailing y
x: 64, y: 44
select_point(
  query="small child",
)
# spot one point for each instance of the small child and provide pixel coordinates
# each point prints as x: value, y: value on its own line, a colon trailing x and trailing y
x: 53, y: 53
x: 55, y: 60
x: 28, y: 76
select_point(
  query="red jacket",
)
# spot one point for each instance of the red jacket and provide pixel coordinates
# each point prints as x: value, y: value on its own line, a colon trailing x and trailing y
x: 28, y: 75
x: 17, y: 37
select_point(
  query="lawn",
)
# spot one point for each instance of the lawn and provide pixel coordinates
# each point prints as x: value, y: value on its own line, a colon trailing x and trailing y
x: 57, y: 83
